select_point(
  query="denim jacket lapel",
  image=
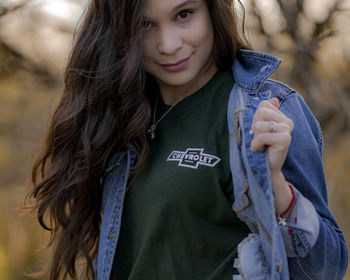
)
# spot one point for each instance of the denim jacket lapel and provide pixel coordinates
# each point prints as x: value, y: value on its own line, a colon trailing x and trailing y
x: 254, y: 201
x: 112, y: 206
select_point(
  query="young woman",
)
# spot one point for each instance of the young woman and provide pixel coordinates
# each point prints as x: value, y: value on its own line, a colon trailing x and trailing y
x: 172, y: 155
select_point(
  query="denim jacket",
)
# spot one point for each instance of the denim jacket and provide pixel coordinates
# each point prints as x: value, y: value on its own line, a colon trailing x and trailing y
x: 315, y: 248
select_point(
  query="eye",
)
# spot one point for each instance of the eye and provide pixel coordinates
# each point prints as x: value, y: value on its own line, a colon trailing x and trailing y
x: 184, y: 14
x: 147, y: 25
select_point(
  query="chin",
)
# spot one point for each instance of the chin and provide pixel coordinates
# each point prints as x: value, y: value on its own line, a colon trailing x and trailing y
x: 176, y: 79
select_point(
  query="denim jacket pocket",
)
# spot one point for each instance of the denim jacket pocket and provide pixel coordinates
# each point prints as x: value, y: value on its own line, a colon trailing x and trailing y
x: 252, y: 264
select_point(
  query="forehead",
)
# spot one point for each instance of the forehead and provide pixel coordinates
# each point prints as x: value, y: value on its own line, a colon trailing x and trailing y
x: 154, y: 7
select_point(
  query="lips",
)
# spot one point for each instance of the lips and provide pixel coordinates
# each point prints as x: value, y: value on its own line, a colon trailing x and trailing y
x: 176, y: 66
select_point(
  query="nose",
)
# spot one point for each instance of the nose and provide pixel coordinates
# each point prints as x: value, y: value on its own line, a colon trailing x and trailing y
x: 169, y: 41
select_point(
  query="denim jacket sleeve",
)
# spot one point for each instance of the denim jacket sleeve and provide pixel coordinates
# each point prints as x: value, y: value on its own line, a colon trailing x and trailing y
x: 316, y: 248
x: 319, y: 249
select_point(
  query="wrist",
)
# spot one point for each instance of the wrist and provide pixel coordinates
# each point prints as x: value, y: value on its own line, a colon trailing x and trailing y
x: 277, y: 178
x: 287, y: 211
x: 282, y: 192
x: 282, y: 217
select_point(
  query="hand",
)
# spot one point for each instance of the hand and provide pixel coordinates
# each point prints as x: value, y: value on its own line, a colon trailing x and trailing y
x: 272, y: 129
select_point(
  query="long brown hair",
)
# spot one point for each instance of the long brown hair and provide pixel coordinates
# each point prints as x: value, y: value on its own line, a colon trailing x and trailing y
x: 104, y: 107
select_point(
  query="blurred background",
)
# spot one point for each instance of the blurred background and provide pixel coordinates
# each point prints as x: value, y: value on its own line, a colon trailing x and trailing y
x: 312, y: 37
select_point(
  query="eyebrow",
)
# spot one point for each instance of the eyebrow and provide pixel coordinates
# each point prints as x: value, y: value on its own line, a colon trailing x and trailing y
x: 178, y: 7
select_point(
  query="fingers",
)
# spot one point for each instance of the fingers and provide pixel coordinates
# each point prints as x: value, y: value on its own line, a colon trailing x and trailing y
x: 267, y: 111
x: 274, y: 101
x: 280, y: 141
x: 265, y: 126
x: 271, y: 127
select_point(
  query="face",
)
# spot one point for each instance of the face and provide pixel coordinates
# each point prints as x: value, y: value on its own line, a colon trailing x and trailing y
x: 178, y: 42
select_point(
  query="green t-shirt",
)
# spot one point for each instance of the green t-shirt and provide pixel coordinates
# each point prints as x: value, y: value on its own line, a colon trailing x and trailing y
x: 178, y: 221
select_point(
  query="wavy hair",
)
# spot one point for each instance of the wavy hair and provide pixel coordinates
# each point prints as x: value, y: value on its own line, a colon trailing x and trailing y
x: 103, y: 108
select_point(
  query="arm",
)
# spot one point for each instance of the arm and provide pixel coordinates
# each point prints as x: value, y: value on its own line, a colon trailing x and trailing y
x: 325, y: 257
x: 315, y: 245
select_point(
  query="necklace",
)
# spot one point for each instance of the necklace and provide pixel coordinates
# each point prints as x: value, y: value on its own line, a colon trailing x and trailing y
x: 151, y: 130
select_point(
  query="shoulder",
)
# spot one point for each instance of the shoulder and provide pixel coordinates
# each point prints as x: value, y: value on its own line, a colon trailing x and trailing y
x: 293, y: 105
x: 278, y: 89
x: 252, y: 70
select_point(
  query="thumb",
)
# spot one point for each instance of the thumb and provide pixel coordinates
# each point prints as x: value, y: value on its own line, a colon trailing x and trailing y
x: 274, y: 101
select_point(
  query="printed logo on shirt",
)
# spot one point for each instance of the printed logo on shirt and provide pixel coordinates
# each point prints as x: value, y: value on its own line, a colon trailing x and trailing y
x: 192, y: 158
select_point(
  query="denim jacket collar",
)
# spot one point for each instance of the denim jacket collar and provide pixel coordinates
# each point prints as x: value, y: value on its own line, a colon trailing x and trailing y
x: 251, y: 69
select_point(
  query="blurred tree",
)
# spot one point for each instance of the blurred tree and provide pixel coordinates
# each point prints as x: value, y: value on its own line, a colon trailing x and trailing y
x: 27, y: 91
x: 4, y: 9
x: 308, y: 35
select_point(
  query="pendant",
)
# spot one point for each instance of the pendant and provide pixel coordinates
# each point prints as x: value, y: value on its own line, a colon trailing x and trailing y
x: 281, y: 221
x: 151, y: 131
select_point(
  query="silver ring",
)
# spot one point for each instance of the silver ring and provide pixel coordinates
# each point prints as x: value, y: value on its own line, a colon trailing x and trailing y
x: 273, y: 126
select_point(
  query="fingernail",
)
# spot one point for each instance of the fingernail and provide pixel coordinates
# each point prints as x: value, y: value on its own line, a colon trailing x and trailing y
x: 252, y: 149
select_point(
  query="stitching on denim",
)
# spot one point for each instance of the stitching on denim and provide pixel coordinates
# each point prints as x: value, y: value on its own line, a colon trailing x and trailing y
x: 287, y: 90
x: 305, y: 270
x: 105, y: 264
x: 258, y: 56
x: 109, y: 240
x: 286, y: 95
x: 116, y: 212
x: 106, y: 249
x: 304, y: 242
x: 119, y: 212
x: 247, y: 89
x: 113, y: 232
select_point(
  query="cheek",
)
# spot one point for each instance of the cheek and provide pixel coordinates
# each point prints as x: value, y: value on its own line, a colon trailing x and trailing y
x: 204, y: 35
x: 147, y: 54
x: 147, y: 48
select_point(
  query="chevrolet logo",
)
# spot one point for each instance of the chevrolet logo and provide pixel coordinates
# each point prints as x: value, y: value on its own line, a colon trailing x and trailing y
x: 192, y: 158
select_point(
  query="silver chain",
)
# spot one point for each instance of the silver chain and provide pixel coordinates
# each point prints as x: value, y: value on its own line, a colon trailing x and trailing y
x: 151, y: 130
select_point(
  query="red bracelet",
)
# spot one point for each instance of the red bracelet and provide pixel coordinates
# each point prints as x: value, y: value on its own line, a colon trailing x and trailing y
x: 290, y: 204
x: 280, y: 217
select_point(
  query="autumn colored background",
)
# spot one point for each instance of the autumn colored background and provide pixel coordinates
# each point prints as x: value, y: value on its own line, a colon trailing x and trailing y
x: 312, y: 37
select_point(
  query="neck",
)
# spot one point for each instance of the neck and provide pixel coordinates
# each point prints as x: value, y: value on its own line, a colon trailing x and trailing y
x: 172, y: 94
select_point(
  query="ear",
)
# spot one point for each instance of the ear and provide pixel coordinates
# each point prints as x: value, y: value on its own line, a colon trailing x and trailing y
x: 274, y: 101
